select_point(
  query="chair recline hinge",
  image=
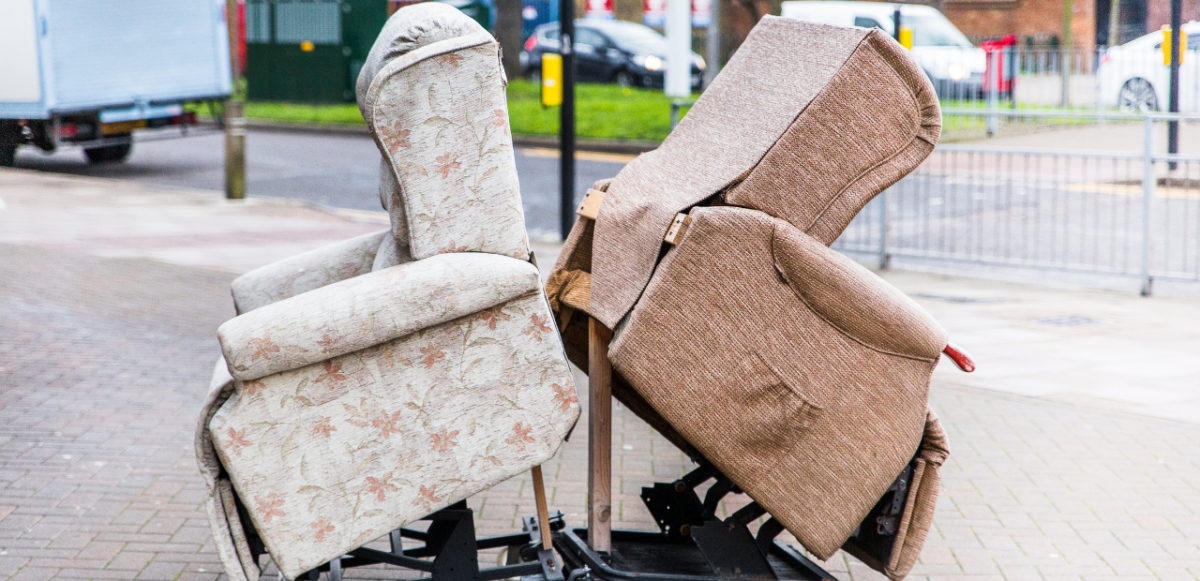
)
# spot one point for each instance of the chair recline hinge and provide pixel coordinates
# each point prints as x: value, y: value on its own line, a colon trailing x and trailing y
x: 678, y: 228
x: 590, y: 206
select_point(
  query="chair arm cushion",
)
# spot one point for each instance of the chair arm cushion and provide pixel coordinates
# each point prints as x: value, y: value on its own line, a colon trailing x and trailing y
x: 370, y: 309
x: 854, y: 300
x: 304, y: 272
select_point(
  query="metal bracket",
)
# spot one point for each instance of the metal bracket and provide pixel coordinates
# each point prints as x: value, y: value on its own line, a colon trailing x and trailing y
x: 676, y: 507
x: 729, y: 547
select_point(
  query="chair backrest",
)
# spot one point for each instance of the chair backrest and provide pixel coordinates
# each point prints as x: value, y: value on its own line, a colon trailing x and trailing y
x: 806, y: 123
x: 433, y: 95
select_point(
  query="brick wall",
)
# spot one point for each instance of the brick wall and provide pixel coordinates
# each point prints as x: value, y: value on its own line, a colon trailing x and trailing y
x: 1040, y: 19
x: 1158, y: 13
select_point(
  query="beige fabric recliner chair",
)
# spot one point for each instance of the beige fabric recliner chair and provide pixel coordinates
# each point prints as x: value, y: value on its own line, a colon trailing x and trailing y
x: 369, y: 383
x: 738, y: 333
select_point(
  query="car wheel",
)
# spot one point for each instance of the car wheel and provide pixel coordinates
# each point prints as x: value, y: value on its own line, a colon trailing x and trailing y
x: 108, y: 153
x: 1137, y: 94
x: 8, y: 155
x: 623, y: 79
x: 535, y: 76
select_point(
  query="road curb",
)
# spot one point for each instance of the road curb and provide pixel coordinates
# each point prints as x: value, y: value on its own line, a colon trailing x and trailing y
x: 630, y: 147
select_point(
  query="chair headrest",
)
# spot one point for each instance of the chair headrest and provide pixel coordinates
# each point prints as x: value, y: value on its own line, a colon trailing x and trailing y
x: 435, y: 103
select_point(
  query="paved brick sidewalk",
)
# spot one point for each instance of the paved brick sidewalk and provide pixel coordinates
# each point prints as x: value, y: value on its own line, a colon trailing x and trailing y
x: 104, y: 361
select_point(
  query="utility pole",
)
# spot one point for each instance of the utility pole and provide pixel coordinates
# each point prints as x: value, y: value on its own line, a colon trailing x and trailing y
x: 1068, y: 42
x: 566, y: 124
x: 1173, y: 102
x: 1114, y: 23
x: 235, y: 116
x: 713, y: 54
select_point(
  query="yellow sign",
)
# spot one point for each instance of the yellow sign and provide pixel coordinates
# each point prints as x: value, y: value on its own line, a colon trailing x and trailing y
x: 121, y: 127
x: 552, y: 80
x: 906, y: 37
x: 1166, y: 45
x: 307, y: 46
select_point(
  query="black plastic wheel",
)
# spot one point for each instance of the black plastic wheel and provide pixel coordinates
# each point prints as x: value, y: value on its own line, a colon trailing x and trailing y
x: 108, y: 153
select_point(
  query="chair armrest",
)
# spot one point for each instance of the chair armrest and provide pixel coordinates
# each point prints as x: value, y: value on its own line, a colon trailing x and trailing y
x: 304, y: 272
x: 854, y: 300
x: 370, y: 309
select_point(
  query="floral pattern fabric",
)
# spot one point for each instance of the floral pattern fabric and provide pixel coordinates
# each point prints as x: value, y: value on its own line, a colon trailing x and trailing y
x: 329, y: 456
x: 442, y: 123
x: 374, y: 381
x: 368, y: 310
x: 304, y: 272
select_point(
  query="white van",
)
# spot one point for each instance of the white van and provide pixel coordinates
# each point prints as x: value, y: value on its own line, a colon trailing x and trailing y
x: 955, y: 66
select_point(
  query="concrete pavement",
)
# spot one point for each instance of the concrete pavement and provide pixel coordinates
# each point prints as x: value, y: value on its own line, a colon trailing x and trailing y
x: 1074, y: 451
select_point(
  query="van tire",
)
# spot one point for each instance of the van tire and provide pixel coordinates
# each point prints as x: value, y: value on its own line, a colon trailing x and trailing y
x: 108, y: 153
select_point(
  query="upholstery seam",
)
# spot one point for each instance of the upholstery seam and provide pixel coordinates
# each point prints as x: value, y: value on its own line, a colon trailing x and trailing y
x: 822, y: 316
x: 916, y: 105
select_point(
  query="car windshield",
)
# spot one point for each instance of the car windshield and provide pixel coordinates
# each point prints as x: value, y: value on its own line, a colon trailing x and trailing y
x: 635, y: 37
x: 934, y: 30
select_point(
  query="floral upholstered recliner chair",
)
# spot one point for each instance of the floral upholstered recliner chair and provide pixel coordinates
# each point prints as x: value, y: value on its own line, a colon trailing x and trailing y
x: 738, y: 333
x: 369, y: 383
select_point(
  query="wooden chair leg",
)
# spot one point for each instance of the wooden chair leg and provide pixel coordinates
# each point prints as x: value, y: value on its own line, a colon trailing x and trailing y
x: 543, y: 511
x: 599, y: 438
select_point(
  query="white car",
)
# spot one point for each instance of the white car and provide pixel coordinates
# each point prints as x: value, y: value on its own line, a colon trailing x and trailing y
x: 955, y: 66
x: 1132, y: 76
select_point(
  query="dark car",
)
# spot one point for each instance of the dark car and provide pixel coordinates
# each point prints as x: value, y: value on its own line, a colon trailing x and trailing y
x: 609, y: 51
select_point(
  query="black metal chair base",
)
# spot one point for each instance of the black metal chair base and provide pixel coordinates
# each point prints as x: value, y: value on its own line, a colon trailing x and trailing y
x: 693, y: 544
x: 451, y: 542
x: 650, y: 556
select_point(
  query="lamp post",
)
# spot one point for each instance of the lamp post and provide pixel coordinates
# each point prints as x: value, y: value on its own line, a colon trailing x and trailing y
x: 235, y: 117
x: 566, y: 131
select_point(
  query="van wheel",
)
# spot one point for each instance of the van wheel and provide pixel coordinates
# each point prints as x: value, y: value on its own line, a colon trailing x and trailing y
x: 8, y: 155
x: 1137, y: 94
x: 108, y: 153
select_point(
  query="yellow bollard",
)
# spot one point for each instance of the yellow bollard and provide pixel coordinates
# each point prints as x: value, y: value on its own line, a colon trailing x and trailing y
x: 1166, y: 45
x: 906, y: 37
x: 552, y: 80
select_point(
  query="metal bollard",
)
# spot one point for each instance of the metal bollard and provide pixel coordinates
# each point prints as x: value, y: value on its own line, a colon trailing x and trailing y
x: 1149, y: 182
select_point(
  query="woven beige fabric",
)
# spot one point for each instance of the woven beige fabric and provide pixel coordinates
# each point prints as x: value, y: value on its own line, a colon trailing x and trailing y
x: 918, y: 516
x: 795, y: 104
x: 778, y: 70
x: 812, y: 420
x: 802, y: 376
x: 854, y: 139
x: 361, y: 389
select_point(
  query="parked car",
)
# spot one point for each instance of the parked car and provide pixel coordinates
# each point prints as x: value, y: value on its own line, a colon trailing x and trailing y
x: 953, y: 64
x: 1133, y: 76
x: 609, y: 51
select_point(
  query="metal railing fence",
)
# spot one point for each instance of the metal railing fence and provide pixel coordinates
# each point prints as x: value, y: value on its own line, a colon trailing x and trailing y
x: 1099, y: 212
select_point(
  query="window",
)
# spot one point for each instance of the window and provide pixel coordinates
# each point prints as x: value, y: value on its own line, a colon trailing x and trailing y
x: 590, y: 37
x: 258, y: 22
x: 317, y: 22
x: 864, y: 22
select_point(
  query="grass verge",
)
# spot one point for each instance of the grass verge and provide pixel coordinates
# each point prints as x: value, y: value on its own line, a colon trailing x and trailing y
x: 601, y: 112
